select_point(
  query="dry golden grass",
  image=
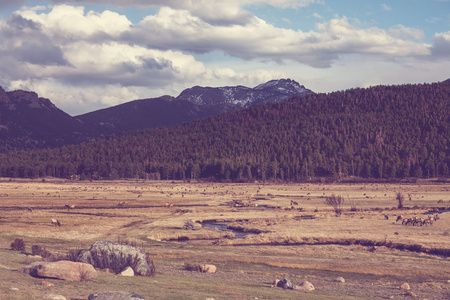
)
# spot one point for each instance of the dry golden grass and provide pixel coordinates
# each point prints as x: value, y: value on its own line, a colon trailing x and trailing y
x: 307, y: 238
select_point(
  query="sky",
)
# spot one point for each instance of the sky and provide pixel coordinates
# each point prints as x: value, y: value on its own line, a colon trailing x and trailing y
x: 85, y: 55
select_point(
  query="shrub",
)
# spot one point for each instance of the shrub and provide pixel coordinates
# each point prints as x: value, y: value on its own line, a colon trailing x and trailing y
x: 191, y: 267
x: 400, y: 198
x: 18, y: 245
x: 335, y: 202
x: 38, y: 250
x: 116, y: 263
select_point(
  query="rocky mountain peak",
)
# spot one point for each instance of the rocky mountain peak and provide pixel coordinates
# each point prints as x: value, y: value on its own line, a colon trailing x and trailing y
x: 30, y: 99
x: 271, y: 91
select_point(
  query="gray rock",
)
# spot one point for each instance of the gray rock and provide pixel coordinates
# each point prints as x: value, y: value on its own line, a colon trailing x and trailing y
x: 111, y: 255
x: 285, y: 284
x: 112, y: 295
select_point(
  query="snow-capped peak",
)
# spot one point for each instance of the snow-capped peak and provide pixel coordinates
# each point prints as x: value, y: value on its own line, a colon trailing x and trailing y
x: 274, y: 90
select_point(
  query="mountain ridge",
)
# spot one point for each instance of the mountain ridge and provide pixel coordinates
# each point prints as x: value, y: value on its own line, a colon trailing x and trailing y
x: 28, y: 121
x: 271, y: 91
x: 382, y: 132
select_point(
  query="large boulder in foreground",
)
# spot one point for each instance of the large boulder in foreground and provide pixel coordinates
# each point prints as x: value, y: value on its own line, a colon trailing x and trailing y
x: 66, y: 270
x: 109, y: 295
x: 116, y: 257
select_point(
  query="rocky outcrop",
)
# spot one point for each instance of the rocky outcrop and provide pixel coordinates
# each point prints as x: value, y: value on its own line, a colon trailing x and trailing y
x: 65, y: 270
x: 111, y: 295
x: 116, y: 257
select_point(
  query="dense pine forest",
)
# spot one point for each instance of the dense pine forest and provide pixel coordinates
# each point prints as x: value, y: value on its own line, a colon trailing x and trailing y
x: 382, y: 132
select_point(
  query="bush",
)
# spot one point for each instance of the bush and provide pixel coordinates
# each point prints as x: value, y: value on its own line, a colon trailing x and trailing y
x: 191, y: 267
x: 18, y: 245
x: 400, y: 198
x: 117, y: 263
x: 336, y: 202
x: 38, y: 250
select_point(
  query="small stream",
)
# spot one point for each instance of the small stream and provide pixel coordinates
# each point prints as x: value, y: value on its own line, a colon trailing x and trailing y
x: 223, y: 227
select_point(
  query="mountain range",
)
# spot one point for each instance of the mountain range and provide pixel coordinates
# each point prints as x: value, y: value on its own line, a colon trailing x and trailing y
x: 383, y: 132
x: 28, y: 121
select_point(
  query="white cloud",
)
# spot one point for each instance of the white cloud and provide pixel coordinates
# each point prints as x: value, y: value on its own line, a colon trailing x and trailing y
x: 257, y: 39
x: 70, y: 22
x: 385, y: 7
x: 211, y: 11
x: 405, y: 33
x: 317, y: 16
x: 441, y: 46
x: 88, y: 59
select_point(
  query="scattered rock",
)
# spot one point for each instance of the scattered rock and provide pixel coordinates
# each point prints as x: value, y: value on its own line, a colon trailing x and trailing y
x: 111, y: 295
x: 13, y: 289
x: 47, y: 284
x: 305, y: 286
x: 54, y: 297
x: 192, y: 225
x: 339, y: 279
x: 66, y: 270
x: 208, y: 268
x: 412, y: 294
x: 405, y: 286
x: 285, y: 284
x: 104, y: 255
x: 127, y: 272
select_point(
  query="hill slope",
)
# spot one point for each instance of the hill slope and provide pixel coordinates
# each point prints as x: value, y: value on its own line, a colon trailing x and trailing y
x: 148, y: 113
x: 28, y: 121
x: 379, y: 132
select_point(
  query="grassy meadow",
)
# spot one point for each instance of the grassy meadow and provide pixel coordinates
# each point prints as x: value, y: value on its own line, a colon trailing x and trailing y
x: 289, y: 232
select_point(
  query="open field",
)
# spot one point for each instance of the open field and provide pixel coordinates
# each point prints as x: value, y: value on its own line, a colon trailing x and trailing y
x: 289, y: 233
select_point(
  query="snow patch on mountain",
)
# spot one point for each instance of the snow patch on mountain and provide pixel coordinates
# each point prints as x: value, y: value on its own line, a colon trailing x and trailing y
x: 274, y: 90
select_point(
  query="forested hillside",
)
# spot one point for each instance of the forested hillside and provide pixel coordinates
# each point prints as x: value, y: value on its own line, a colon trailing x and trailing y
x: 379, y: 132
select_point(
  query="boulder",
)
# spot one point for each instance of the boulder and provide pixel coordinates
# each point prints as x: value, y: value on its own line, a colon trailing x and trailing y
x: 339, y: 279
x: 285, y: 284
x: 405, y: 286
x: 111, y: 295
x: 116, y: 257
x: 208, y: 268
x: 305, y: 286
x: 127, y: 272
x: 66, y: 270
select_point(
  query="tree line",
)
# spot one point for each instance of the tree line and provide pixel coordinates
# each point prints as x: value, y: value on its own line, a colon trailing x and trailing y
x: 378, y: 132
